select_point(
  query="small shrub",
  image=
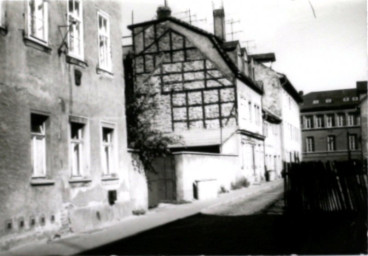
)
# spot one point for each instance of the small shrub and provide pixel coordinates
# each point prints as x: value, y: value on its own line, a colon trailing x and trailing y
x: 241, y: 183
x: 223, y: 190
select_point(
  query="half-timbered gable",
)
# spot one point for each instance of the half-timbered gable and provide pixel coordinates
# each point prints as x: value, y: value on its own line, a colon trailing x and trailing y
x: 193, y: 92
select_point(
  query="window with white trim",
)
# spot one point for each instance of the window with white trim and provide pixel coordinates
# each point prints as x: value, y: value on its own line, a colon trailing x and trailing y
x: 352, y: 141
x: 330, y: 120
x: 2, y: 13
x: 75, y: 35
x: 38, y: 145
x: 77, y: 147
x: 340, y: 119
x: 319, y: 121
x: 37, y: 20
x: 331, y: 143
x: 108, y: 152
x: 308, y: 122
x: 351, y: 119
x: 104, y: 47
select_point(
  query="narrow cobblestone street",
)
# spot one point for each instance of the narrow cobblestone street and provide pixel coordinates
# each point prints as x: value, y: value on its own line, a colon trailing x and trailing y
x: 256, y: 225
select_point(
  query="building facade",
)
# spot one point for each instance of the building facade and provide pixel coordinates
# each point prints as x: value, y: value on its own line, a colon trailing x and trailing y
x: 204, y: 96
x: 63, y: 149
x: 281, y: 115
x: 332, y: 124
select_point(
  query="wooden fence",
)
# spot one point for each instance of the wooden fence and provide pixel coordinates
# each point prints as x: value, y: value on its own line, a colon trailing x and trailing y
x: 316, y: 187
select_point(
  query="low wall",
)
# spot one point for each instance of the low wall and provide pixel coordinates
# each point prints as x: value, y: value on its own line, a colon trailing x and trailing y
x: 193, y: 166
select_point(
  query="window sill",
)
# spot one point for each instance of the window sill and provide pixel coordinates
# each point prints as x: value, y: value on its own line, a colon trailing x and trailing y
x: 79, y: 180
x: 109, y: 178
x: 36, y: 44
x: 3, y: 30
x: 42, y: 182
x: 75, y: 61
x: 103, y: 71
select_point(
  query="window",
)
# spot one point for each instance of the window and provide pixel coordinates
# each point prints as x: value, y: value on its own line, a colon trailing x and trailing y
x: 352, y: 141
x: 331, y: 143
x: 328, y: 100
x: 37, y: 25
x: 308, y: 122
x: 77, y: 148
x: 38, y: 145
x: 108, y: 155
x: 355, y: 98
x: 250, y: 112
x: 104, y: 49
x: 340, y: 119
x: 75, y: 35
x: 330, y: 120
x: 2, y: 14
x: 319, y: 121
x: 315, y: 101
x: 351, y: 119
x: 345, y: 99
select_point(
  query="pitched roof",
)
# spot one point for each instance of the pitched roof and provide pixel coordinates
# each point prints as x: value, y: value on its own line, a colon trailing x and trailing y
x: 218, y: 43
x: 326, y: 100
x: 287, y: 85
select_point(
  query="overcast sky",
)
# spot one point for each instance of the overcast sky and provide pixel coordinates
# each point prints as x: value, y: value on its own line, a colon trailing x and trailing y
x: 319, y: 44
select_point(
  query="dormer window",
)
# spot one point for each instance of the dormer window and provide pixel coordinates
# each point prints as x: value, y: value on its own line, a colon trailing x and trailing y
x: 355, y: 98
x: 345, y: 99
x: 328, y: 100
x: 315, y: 101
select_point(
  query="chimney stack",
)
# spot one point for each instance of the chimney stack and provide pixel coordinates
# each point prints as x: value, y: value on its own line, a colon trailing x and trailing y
x: 219, y: 23
x: 163, y: 11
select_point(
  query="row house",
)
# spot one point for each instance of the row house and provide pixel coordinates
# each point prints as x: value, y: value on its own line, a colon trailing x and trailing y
x: 281, y: 115
x: 331, y: 124
x: 204, y: 97
x: 210, y: 96
x: 63, y: 146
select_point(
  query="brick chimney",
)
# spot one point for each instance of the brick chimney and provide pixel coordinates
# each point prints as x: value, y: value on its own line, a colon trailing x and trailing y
x: 219, y: 23
x: 163, y: 11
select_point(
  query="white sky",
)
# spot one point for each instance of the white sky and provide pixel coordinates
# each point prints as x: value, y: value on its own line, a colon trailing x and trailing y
x: 323, y: 53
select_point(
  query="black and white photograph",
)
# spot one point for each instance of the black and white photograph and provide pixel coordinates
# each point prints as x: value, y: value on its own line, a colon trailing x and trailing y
x: 196, y: 127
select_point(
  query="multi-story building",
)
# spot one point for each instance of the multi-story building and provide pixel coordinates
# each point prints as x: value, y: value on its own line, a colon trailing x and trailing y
x: 205, y: 95
x: 332, y: 124
x: 63, y: 131
x: 281, y: 115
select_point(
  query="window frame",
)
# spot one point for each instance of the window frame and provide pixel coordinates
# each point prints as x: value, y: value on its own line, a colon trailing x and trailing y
x: 352, y: 141
x: 28, y: 26
x: 340, y: 120
x: 352, y: 119
x: 80, y: 19
x: 113, y: 171
x: 319, y: 124
x: 82, y: 150
x: 34, y: 135
x: 106, y: 16
x: 330, y: 120
x: 331, y: 143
